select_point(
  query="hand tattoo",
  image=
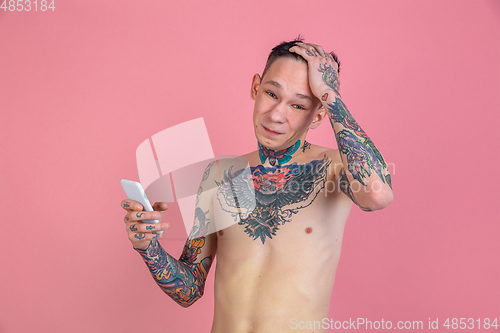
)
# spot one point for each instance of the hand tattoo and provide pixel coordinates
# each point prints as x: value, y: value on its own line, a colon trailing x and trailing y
x: 330, y: 76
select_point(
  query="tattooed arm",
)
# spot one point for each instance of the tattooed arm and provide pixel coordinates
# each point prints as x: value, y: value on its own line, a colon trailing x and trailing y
x: 184, y: 279
x: 364, y: 176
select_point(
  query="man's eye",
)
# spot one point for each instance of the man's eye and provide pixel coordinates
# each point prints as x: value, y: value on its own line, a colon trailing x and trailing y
x: 271, y: 94
x: 299, y: 107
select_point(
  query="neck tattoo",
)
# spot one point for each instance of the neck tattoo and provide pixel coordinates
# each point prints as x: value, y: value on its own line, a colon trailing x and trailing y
x: 280, y: 156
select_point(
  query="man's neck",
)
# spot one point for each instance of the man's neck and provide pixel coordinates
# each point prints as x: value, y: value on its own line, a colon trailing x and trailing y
x: 281, y: 156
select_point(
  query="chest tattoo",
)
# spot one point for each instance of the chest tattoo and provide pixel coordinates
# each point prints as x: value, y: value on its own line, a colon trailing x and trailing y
x: 264, y: 198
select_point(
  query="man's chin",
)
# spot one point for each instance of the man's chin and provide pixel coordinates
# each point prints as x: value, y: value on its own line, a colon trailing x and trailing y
x: 269, y: 143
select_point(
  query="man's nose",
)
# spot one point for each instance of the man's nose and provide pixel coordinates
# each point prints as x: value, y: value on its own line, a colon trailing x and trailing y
x: 278, y: 113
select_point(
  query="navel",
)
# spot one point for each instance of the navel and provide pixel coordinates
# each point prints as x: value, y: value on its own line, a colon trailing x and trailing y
x: 221, y: 232
x: 309, y: 230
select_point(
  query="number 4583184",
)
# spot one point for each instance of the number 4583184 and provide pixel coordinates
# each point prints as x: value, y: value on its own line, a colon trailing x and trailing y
x: 27, y: 5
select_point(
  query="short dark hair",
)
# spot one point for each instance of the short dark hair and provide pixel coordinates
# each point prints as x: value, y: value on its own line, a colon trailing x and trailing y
x: 282, y: 51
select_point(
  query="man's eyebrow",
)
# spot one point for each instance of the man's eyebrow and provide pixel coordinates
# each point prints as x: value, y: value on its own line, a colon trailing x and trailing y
x: 277, y: 85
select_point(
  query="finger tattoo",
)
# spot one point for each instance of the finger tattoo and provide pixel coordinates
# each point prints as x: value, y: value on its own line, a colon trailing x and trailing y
x: 139, y: 236
x: 133, y: 228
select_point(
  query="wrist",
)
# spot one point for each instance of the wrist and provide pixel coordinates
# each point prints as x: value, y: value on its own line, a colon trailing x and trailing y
x: 329, y: 96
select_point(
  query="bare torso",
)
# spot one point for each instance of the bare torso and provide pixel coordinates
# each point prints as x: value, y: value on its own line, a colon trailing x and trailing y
x: 265, y: 282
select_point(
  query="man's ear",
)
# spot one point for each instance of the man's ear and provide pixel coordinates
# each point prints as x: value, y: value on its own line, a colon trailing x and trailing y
x: 256, y: 81
x: 318, y: 118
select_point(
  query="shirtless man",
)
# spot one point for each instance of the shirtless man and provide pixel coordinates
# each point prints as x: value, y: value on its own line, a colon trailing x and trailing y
x: 276, y: 216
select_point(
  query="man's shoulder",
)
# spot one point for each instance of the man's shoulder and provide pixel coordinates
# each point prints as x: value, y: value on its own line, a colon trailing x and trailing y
x: 319, y: 152
x: 225, y: 165
x: 234, y: 162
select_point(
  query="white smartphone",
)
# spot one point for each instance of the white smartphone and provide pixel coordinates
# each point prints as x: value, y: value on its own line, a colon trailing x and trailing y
x: 134, y: 191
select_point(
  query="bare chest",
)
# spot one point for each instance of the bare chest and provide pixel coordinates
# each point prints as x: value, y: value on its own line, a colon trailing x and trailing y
x: 275, y: 209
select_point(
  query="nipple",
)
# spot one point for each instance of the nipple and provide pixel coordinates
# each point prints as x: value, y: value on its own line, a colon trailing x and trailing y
x: 309, y: 230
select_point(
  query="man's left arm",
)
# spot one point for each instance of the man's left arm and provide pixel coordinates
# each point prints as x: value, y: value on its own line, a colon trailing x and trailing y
x: 364, y: 176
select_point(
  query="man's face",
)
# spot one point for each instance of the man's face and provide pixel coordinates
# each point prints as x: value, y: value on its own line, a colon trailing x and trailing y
x: 285, y: 107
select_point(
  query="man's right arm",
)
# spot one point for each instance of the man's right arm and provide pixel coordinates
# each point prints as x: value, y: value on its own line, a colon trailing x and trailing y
x: 182, y: 279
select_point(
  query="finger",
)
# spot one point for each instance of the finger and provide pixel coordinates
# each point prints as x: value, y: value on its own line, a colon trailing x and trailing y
x: 301, y: 51
x: 310, y: 48
x: 158, y: 236
x: 145, y: 236
x: 147, y: 227
x: 131, y: 205
x: 139, y: 216
x: 160, y: 206
x: 319, y: 49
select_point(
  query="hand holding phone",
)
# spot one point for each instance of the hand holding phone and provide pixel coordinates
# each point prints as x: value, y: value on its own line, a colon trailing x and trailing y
x: 134, y: 191
x: 142, y: 225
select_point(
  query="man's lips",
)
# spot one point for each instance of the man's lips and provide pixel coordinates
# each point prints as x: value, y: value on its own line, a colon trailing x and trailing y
x: 270, y: 132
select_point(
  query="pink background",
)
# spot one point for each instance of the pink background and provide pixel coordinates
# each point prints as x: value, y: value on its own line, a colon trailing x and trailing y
x: 83, y: 86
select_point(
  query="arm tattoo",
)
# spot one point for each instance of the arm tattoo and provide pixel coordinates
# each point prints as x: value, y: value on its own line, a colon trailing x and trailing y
x: 363, y: 157
x: 207, y: 171
x: 184, y: 279
x: 200, y: 191
x: 345, y: 187
x: 201, y: 222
